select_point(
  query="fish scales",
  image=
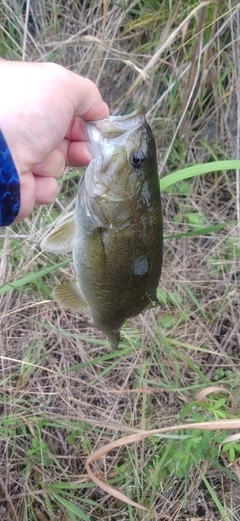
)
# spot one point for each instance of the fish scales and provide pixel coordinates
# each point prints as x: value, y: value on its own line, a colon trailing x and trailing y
x: 115, y: 234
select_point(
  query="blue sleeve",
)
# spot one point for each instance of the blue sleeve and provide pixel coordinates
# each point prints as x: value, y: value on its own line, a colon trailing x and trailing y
x: 9, y: 185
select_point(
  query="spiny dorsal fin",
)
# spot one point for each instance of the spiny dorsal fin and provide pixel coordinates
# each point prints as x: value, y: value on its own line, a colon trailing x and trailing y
x: 69, y: 295
x: 60, y: 239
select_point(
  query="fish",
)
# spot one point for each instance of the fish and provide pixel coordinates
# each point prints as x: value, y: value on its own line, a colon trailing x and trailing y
x: 115, y: 233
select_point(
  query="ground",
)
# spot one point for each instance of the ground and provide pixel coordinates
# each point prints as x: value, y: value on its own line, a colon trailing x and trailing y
x: 65, y: 393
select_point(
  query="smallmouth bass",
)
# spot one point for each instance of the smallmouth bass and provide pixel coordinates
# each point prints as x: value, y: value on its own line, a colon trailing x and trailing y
x: 115, y: 234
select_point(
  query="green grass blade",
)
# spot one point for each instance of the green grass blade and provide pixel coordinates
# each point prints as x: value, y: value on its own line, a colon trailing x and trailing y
x: 28, y: 279
x: 214, y: 497
x: 201, y: 231
x: 195, y: 170
x: 70, y: 507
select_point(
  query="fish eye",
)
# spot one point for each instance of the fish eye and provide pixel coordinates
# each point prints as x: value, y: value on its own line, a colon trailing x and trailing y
x: 137, y: 159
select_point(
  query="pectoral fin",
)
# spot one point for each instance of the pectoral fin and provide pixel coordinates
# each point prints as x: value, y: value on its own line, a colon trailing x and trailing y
x: 60, y: 239
x: 69, y: 295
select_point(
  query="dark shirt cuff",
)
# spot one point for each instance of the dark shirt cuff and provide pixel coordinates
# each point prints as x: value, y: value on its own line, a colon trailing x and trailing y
x: 9, y: 185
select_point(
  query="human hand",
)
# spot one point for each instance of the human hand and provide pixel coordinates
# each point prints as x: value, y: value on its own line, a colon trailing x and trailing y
x: 43, y: 105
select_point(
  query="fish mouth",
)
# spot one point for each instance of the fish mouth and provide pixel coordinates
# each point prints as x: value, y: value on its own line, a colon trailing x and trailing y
x: 114, y: 130
x: 122, y: 124
x: 141, y: 111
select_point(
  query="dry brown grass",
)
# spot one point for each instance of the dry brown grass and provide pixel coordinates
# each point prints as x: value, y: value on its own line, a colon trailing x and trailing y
x: 63, y: 392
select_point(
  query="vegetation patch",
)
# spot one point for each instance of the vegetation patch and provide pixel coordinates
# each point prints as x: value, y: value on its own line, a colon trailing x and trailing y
x: 173, y: 384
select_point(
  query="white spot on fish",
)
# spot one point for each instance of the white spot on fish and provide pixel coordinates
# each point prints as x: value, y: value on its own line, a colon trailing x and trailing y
x: 140, y: 266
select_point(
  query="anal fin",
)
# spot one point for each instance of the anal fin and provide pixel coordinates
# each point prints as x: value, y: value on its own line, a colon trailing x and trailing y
x: 69, y: 295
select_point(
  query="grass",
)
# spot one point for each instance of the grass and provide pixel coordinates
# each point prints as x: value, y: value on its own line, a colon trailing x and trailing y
x: 64, y: 394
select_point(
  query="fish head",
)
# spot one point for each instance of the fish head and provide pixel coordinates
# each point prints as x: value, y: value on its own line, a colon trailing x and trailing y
x: 124, y: 154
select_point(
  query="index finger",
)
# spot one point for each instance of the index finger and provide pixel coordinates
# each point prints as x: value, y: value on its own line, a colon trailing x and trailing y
x: 87, y: 100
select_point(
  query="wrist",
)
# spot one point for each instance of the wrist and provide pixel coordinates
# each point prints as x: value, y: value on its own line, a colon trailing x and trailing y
x: 9, y: 185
